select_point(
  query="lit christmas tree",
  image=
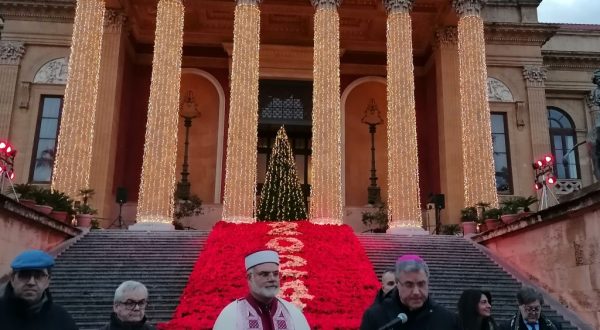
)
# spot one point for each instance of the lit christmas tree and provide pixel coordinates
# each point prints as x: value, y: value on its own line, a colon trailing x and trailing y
x: 281, y: 195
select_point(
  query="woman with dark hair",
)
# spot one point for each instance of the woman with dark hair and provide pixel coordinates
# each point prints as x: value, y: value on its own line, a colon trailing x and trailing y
x: 475, y: 310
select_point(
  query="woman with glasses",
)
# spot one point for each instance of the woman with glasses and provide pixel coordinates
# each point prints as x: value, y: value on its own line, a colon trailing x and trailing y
x: 475, y: 310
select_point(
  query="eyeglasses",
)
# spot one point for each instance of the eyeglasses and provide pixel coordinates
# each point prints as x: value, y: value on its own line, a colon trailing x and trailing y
x: 412, y: 285
x: 130, y: 304
x: 26, y: 275
x: 536, y: 309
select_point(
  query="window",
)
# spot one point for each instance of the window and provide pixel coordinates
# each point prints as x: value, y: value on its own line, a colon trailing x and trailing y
x: 501, y: 154
x: 45, y: 143
x: 563, y: 140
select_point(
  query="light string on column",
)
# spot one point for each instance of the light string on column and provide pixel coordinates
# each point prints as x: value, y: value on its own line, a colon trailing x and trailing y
x: 156, y: 198
x: 240, y: 175
x: 403, y: 168
x: 326, y: 183
x: 73, y: 158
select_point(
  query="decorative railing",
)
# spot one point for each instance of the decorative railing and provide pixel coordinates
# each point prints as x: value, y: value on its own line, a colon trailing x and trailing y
x: 567, y: 186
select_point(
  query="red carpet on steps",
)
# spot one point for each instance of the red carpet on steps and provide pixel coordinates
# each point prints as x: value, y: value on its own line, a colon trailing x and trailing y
x: 324, y: 269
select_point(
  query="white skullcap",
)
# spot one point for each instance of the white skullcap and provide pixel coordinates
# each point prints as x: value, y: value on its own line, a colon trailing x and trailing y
x: 261, y: 257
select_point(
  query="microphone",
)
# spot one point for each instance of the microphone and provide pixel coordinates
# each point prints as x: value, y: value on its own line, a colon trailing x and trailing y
x: 400, y: 319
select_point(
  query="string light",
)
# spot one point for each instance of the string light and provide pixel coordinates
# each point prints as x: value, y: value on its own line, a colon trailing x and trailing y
x: 326, y: 185
x: 281, y: 196
x: 72, y: 165
x: 403, y: 168
x: 478, y: 160
x: 155, y: 203
x: 240, y: 175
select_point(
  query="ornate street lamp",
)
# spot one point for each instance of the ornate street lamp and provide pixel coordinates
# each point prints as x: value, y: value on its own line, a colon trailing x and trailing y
x: 373, y: 118
x: 188, y: 110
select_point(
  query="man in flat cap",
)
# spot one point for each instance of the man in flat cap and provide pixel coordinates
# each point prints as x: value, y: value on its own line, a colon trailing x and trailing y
x: 261, y: 308
x: 26, y: 303
x: 409, y: 306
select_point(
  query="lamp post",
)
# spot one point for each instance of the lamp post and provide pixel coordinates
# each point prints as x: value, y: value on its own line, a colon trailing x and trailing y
x: 372, y: 117
x: 188, y: 110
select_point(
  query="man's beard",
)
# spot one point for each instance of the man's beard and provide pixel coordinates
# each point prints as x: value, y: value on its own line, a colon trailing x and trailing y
x: 267, y: 292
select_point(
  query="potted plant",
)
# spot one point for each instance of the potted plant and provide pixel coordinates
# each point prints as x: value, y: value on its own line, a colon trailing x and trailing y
x: 510, y: 211
x: 84, y: 212
x: 41, y: 197
x: 524, y: 203
x: 84, y: 215
x: 26, y: 194
x: 62, y: 206
x: 468, y: 217
x: 189, y: 207
x: 376, y: 220
x: 491, y: 218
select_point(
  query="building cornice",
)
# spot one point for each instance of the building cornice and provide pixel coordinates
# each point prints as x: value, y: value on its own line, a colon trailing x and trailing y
x: 62, y: 11
x: 569, y: 60
x: 519, y: 34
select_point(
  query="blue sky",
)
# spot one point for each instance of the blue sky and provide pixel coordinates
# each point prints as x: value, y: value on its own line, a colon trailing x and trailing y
x: 569, y: 11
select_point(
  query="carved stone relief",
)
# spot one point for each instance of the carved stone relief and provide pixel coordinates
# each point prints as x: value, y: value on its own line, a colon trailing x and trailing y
x: 498, y: 91
x: 325, y: 3
x: 468, y: 7
x: 11, y: 52
x: 53, y: 72
x: 447, y: 36
x: 535, y: 74
x: 398, y: 5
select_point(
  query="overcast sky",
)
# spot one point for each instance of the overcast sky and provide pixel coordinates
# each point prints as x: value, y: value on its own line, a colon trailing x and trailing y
x: 569, y: 11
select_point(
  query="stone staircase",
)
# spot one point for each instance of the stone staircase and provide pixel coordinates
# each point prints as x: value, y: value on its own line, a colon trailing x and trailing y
x: 86, y: 275
x: 455, y: 265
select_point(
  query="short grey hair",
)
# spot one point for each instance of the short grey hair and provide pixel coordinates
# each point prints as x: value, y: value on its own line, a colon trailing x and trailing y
x: 527, y: 295
x: 126, y: 287
x: 411, y: 266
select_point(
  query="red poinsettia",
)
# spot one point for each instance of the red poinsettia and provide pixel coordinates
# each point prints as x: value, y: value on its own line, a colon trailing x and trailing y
x: 339, y: 275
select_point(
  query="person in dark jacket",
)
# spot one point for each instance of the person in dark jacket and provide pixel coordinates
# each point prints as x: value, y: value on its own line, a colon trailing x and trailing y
x: 475, y: 310
x: 129, y: 308
x: 26, y: 303
x: 388, y: 283
x: 530, y: 316
x: 410, y: 298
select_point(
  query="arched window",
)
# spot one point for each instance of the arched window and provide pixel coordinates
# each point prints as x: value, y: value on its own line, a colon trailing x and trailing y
x: 563, y: 138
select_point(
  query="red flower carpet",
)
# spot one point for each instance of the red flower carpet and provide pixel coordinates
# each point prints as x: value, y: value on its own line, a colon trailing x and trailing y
x: 324, y: 269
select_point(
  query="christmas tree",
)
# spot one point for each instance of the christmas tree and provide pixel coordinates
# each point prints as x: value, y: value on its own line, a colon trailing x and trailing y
x: 281, y: 195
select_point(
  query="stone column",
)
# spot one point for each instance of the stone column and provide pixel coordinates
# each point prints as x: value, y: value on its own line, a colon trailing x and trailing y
x: 448, y: 112
x: 76, y: 135
x: 157, y: 187
x: 535, y: 77
x: 107, y: 116
x: 326, y: 185
x: 478, y: 161
x: 11, y: 53
x: 404, y: 209
x: 239, y: 200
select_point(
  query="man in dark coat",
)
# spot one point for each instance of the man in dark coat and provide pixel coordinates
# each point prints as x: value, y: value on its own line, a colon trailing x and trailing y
x: 129, y: 308
x: 410, y: 298
x: 26, y: 303
x: 530, y: 316
x: 388, y: 283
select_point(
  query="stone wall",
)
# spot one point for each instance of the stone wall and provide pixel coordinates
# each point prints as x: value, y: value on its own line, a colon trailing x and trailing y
x: 22, y: 228
x: 559, y: 248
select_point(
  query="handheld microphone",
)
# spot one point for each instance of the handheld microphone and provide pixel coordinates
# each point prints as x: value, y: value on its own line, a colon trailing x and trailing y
x: 400, y: 319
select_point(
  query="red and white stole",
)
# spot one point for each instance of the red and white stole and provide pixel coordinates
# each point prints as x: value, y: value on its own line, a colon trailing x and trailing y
x: 251, y: 319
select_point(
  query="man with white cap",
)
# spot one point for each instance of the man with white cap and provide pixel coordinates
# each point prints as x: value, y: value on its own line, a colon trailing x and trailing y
x: 261, y: 308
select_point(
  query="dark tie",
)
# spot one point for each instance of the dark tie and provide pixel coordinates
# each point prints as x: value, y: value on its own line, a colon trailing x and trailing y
x: 532, y: 325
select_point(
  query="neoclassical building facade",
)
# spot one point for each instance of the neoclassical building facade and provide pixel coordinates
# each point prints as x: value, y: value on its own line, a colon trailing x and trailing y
x: 469, y: 94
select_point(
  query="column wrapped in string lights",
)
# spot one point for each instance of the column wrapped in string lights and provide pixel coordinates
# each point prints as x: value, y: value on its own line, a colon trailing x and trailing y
x: 157, y: 187
x: 73, y: 159
x: 326, y: 184
x: 404, y: 209
x: 478, y: 160
x: 242, y: 136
